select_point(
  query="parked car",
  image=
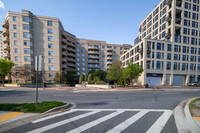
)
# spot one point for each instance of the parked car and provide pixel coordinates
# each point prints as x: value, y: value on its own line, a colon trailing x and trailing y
x: 194, y: 84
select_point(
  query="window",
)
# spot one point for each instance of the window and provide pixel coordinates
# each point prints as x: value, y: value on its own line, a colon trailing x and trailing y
x: 16, y: 50
x: 27, y: 58
x: 169, y: 56
x: 158, y: 55
x: 82, y: 55
x: 50, y: 53
x: 77, y: 64
x: 77, y: 54
x: 27, y: 43
x: 27, y: 51
x: 175, y: 48
x: 14, y: 26
x: 158, y: 46
x: 103, y: 47
x: 51, y: 68
x: 15, y: 42
x: 27, y: 35
x: 115, y: 47
x: 50, y: 31
x: 51, y: 60
x: 50, y: 45
x: 27, y: 19
x: 77, y: 45
x: 82, y: 50
x: 169, y: 47
x: 14, y: 18
x: 15, y: 34
x: 158, y: 64
x: 16, y: 58
x: 26, y: 27
x: 51, y: 75
x: 168, y: 65
x: 82, y: 45
x: 49, y: 23
x: 50, y: 38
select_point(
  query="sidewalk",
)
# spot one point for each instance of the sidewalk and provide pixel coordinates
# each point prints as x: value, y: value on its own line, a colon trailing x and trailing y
x: 184, y: 120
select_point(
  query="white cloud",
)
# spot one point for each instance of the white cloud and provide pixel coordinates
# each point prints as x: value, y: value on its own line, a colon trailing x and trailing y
x: 2, y: 5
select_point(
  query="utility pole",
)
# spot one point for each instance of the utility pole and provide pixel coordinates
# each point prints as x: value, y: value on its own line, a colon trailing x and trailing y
x: 36, y: 68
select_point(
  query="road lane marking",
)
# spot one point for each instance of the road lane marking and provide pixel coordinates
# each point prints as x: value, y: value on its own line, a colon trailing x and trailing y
x: 53, y: 116
x: 160, y: 122
x: 94, y: 123
x: 54, y: 125
x: 119, y: 128
x: 10, y: 115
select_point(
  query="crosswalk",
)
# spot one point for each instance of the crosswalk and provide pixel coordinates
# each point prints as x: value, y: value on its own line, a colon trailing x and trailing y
x: 102, y: 120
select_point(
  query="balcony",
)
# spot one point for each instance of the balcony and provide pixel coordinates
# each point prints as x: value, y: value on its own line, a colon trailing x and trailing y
x: 109, y: 62
x: 71, y: 54
x: 5, y: 24
x: 6, y: 33
x: 64, y: 48
x: 94, y: 66
x: 6, y: 55
x: 64, y: 67
x: 64, y: 60
x: 109, y: 49
x: 140, y: 50
x: 109, y: 57
x: 109, y: 53
x: 168, y: 35
x: 6, y: 47
x: 5, y: 40
x: 71, y: 59
x: 64, y: 54
x: 169, y: 2
x: 71, y: 64
x: 93, y: 57
x: 71, y: 49
x: 93, y: 47
x: 93, y: 52
x: 64, y: 42
x: 70, y: 44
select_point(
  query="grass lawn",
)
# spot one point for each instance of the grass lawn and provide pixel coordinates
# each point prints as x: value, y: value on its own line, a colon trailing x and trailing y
x: 195, y: 107
x: 30, y: 107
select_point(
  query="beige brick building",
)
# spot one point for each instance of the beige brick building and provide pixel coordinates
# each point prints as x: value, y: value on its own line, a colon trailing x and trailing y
x: 26, y: 35
x: 168, y: 46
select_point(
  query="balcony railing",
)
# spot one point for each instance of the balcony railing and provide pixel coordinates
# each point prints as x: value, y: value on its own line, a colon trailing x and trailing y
x: 168, y: 35
x: 6, y: 33
x: 6, y: 47
x: 5, y: 24
x: 5, y: 40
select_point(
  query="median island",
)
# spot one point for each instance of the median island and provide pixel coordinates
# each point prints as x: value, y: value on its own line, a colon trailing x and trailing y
x: 30, y: 107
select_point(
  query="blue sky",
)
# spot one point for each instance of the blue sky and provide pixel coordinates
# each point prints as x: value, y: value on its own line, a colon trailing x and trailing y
x: 114, y: 21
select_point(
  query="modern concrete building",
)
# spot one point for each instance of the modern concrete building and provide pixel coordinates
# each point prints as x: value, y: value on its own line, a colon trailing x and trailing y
x: 27, y: 35
x: 95, y: 55
x: 169, y: 44
x: 1, y: 45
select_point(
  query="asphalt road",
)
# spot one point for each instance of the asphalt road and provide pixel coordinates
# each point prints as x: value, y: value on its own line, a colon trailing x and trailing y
x: 134, y: 112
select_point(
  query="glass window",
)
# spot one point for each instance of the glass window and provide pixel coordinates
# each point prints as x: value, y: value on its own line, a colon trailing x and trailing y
x: 103, y: 47
x: 82, y: 50
x: 78, y: 64
x: 14, y: 26
x: 168, y: 65
x: 158, y: 46
x: 16, y: 58
x: 50, y: 53
x: 82, y: 55
x: 14, y: 18
x: 50, y: 31
x: 27, y: 35
x: 51, y: 60
x: 27, y: 43
x: 50, y: 38
x: 169, y: 47
x: 27, y: 58
x: 26, y: 27
x: 77, y: 50
x: 82, y: 45
x: 51, y: 67
x: 77, y: 59
x: 15, y: 34
x: 27, y: 51
x: 16, y: 50
x: 77, y: 54
x: 15, y: 42
x: 51, y: 75
x: 158, y: 64
x: 115, y: 47
x: 49, y: 23
x: 50, y: 45
x: 83, y: 59
x: 27, y: 19
x: 77, y: 45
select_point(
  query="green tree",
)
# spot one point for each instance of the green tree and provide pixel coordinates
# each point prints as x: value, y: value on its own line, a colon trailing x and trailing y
x: 89, y: 78
x: 114, y: 72
x: 57, y: 78
x: 98, y: 73
x: 63, y: 77
x: 81, y: 78
x: 5, y: 68
x: 86, y: 78
x: 132, y: 72
x: 72, y: 76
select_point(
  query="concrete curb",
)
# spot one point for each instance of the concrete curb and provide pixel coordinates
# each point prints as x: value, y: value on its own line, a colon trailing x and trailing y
x: 20, y: 122
x: 184, y: 121
x: 6, y: 90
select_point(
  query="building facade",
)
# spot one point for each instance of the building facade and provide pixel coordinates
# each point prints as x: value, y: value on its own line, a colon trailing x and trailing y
x: 1, y: 45
x: 169, y: 44
x: 26, y: 35
x: 97, y: 55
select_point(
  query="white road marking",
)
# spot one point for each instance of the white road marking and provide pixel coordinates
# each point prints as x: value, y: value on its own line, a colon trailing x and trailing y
x: 54, y: 125
x: 119, y: 128
x: 160, y: 123
x: 53, y: 116
x: 96, y: 122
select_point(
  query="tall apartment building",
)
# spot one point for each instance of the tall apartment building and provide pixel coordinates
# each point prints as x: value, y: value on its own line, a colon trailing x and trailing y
x: 95, y: 55
x: 1, y: 45
x: 27, y: 35
x: 169, y: 44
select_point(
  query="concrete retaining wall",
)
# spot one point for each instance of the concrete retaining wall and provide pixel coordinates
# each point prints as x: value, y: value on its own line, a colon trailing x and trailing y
x: 94, y: 86
x: 33, y: 85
